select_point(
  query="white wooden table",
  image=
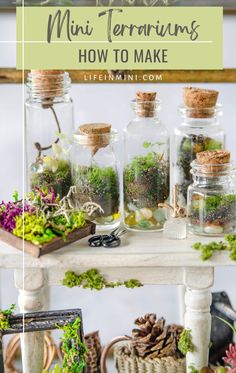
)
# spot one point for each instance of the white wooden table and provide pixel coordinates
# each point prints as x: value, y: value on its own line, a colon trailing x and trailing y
x: 147, y: 257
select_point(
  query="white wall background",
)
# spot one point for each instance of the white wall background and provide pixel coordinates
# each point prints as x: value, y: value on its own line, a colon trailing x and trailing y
x: 111, y: 311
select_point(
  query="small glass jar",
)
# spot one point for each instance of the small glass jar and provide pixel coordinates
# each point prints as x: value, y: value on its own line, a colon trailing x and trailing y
x: 48, y: 131
x: 146, y: 166
x: 199, y: 131
x: 212, y: 199
x: 95, y: 172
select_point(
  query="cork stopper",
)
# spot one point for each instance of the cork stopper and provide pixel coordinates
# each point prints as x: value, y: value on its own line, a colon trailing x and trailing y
x: 214, y: 161
x: 200, y: 102
x: 48, y: 84
x: 95, y: 135
x: 146, y: 103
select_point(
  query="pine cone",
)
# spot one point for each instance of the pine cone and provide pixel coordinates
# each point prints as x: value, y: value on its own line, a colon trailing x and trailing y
x: 154, y: 339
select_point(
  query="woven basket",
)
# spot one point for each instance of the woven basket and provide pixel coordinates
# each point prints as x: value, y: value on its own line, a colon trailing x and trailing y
x: 134, y: 364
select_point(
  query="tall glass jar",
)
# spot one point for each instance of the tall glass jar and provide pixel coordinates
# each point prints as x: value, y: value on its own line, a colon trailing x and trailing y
x: 146, y: 166
x: 48, y: 130
x: 95, y: 172
x: 212, y: 196
x: 199, y: 131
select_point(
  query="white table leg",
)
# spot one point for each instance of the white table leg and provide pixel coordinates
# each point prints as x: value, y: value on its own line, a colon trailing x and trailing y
x: 198, y: 320
x: 31, y: 299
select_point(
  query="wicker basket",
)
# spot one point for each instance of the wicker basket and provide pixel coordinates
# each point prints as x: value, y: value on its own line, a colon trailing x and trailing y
x: 134, y: 364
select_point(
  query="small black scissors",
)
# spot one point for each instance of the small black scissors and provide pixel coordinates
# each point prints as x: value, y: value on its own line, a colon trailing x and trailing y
x: 108, y: 240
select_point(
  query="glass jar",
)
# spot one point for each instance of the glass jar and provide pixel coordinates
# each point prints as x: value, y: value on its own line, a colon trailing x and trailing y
x: 146, y: 166
x: 212, y: 199
x: 199, y: 131
x: 48, y: 131
x: 95, y: 172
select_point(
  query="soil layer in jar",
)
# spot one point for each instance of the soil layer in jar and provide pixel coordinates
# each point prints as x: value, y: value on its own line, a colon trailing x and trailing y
x: 57, y: 178
x: 212, y: 214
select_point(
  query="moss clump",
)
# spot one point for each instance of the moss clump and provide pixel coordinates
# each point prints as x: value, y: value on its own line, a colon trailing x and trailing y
x: 146, y: 181
x: 73, y: 349
x: 92, y: 279
x: 100, y: 185
x: 185, y: 343
x: 57, y: 177
x: 208, y: 250
x: 45, y: 217
x: 189, y: 147
x: 4, y: 317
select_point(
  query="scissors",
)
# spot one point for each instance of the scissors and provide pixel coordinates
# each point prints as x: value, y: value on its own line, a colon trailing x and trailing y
x: 108, y: 240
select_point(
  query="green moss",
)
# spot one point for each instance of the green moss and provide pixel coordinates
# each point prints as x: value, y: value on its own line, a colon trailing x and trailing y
x: 185, y: 343
x: 146, y: 180
x: 74, y: 350
x: 92, y: 279
x: 192, y: 369
x: 59, y: 180
x: 100, y: 185
x: 207, y: 250
x: 4, y: 317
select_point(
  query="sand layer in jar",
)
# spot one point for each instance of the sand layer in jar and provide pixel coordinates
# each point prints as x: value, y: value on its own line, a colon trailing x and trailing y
x: 53, y: 174
x: 146, y: 184
x: 99, y: 185
x: 189, y: 147
x: 212, y: 214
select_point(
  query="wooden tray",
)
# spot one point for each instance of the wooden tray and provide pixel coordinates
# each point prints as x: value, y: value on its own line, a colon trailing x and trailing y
x: 55, y: 244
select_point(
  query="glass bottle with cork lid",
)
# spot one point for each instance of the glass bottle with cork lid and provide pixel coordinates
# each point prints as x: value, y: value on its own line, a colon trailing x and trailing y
x: 95, y: 172
x: 199, y: 131
x: 146, y: 166
x: 48, y: 130
x: 212, y: 196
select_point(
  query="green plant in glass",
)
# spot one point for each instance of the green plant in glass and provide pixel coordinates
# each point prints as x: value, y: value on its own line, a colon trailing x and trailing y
x: 146, y: 184
x: 100, y: 185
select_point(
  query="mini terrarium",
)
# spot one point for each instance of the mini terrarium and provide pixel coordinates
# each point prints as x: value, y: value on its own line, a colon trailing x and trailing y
x: 49, y: 127
x: 146, y: 171
x: 199, y: 131
x: 212, y: 196
x: 95, y: 172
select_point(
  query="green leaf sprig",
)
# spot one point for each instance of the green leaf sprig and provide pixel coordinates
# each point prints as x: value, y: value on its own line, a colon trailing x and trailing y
x: 207, y: 250
x: 185, y: 343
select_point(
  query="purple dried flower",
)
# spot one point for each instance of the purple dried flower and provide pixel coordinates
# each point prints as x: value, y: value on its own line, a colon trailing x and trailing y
x: 9, y: 211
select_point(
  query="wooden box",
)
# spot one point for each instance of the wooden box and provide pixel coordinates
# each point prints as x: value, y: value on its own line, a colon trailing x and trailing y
x: 55, y: 244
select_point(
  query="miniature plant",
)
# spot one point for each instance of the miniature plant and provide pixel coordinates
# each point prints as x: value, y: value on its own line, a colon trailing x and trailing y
x: 146, y: 184
x: 52, y: 173
x: 218, y: 210
x: 189, y: 147
x: 207, y: 250
x: 74, y: 350
x: 100, y: 185
x: 185, y: 343
x: 92, y: 279
x: 4, y: 317
x: 41, y: 217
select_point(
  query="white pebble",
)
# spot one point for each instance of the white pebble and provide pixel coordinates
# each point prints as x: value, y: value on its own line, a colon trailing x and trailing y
x: 213, y: 229
x: 147, y: 213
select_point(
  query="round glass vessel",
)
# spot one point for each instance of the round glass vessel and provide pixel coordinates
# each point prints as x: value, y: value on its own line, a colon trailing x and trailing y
x: 212, y: 199
x: 95, y: 172
x: 146, y: 166
x: 199, y: 131
x: 48, y: 131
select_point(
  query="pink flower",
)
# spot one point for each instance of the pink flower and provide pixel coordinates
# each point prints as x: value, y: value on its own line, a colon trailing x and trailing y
x: 230, y: 358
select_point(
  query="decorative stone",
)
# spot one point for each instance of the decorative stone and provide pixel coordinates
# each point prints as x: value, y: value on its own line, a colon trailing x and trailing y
x: 160, y: 215
x: 147, y: 213
x: 213, y: 229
